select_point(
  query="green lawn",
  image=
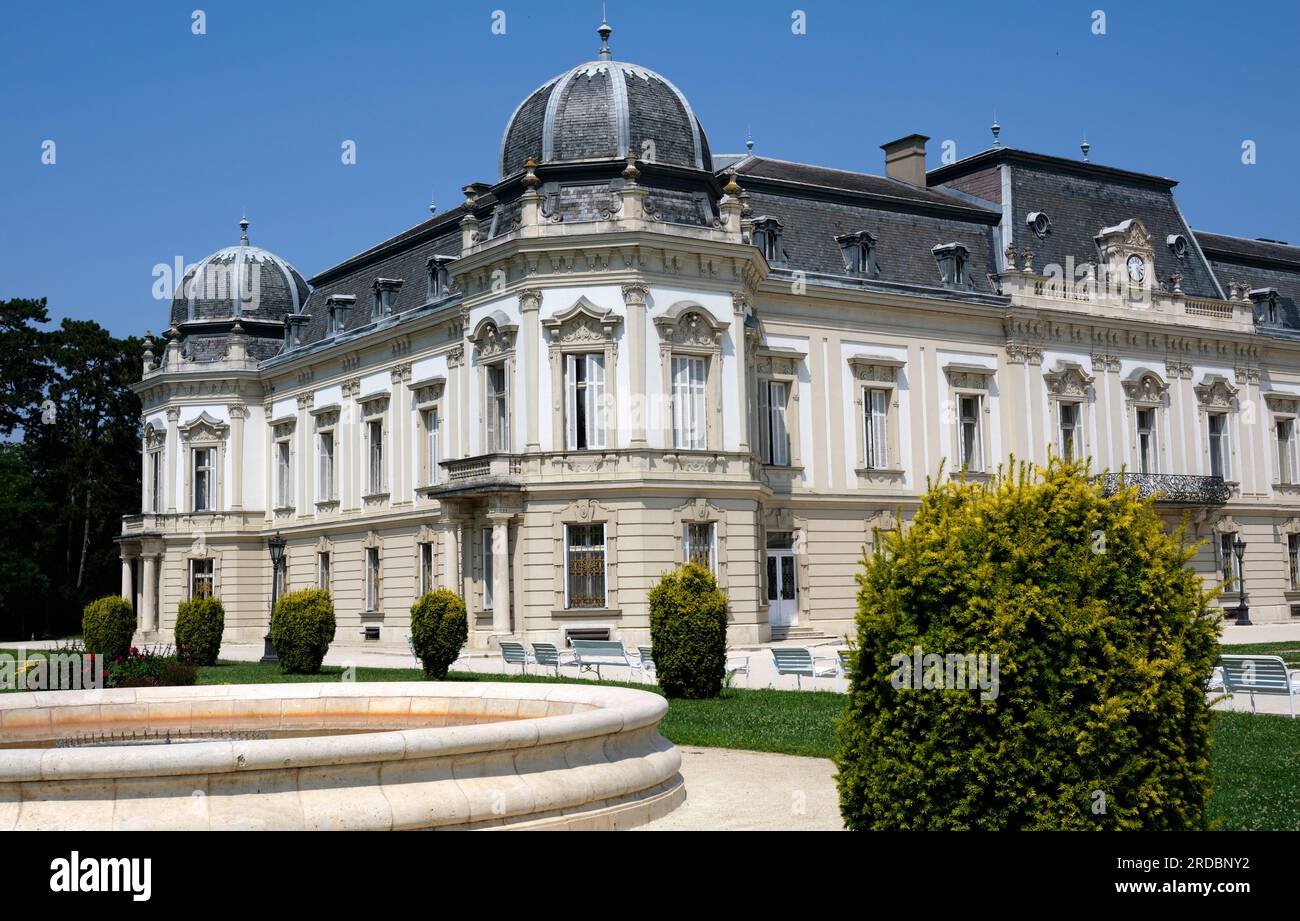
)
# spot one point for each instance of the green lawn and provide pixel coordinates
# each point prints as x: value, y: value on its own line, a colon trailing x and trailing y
x: 1290, y: 651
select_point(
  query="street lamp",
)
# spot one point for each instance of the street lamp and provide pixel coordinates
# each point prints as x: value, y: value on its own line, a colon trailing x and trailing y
x: 1243, y: 612
x: 276, y: 546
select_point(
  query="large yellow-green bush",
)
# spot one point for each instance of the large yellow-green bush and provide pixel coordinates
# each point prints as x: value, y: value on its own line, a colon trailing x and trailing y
x: 688, y: 633
x: 439, y: 629
x: 1104, y: 641
x: 302, y: 628
x: 199, y: 624
x: 107, y: 625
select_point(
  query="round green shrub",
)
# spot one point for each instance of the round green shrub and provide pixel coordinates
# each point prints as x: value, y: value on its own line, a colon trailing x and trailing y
x: 107, y: 625
x: 302, y: 628
x: 688, y: 633
x: 439, y: 629
x: 1104, y: 641
x: 199, y: 625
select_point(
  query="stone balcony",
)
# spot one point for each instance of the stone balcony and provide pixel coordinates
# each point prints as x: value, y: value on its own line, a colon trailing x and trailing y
x: 1171, y: 488
x: 484, y: 473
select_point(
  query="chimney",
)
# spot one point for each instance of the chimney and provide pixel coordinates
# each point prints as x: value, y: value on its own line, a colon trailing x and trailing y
x: 905, y: 159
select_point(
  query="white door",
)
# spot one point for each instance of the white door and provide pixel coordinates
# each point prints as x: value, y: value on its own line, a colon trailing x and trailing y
x: 782, y: 591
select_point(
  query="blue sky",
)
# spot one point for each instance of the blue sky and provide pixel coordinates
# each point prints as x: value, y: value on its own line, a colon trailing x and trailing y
x: 163, y: 136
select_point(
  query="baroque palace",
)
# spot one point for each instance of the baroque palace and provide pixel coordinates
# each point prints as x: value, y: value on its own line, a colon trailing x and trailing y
x: 628, y: 352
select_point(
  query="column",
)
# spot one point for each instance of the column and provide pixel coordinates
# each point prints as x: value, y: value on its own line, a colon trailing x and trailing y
x: 634, y: 296
x: 400, y: 492
x: 738, y: 304
x: 238, y: 413
x: 301, y: 471
x: 149, y: 616
x: 500, y: 572
x: 347, y: 446
x: 145, y: 505
x: 172, y: 459
x: 530, y: 302
x: 127, y: 591
x: 451, y: 555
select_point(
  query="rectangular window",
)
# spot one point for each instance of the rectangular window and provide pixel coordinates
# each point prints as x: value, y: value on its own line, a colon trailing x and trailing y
x: 875, y: 407
x: 325, y: 448
x: 1069, y: 417
x: 432, y: 448
x: 1293, y: 561
x: 690, y: 427
x: 774, y: 438
x: 1218, y: 430
x: 375, y: 435
x: 426, y: 568
x: 585, y: 376
x: 699, y: 545
x: 1228, y: 562
x: 200, y: 578
x: 585, y: 565
x: 1146, y: 440
x: 155, y: 482
x: 1286, y: 472
x: 283, y: 484
x: 486, y: 568
x: 498, y: 410
x: 968, y: 420
x: 203, y: 479
x: 323, y: 570
x: 372, y: 578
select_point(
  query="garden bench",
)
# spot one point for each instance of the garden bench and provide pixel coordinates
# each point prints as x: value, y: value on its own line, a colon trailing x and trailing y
x: 546, y: 655
x: 800, y: 662
x: 1259, y: 675
x: 737, y: 663
x: 590, y: 655
x: 645, y: 659
x: 515, y: 654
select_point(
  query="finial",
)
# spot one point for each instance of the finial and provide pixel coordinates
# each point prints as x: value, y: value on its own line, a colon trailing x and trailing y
x: 997, y: 130
x: 732, y: 187
x: 433, y: 207
x: 749, y: 140
x: 243, y: 229
x: 604, y: 32
x: 530, y: 179
x: 630, y: 172
x: 1085, y: 147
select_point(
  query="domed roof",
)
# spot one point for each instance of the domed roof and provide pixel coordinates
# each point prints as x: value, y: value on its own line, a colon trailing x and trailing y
x: 598, y: 110
x: 241, y: 280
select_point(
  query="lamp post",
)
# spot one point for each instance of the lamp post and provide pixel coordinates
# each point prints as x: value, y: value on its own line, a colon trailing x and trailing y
x: 276, y: 547
x: 1243, y: 612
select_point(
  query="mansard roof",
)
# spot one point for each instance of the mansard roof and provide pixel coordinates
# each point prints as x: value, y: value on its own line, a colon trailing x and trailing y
x: 1258, y: 265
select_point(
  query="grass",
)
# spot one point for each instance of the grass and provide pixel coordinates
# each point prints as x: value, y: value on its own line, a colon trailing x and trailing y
x: 1289, y: 651
x: 1255, y: 764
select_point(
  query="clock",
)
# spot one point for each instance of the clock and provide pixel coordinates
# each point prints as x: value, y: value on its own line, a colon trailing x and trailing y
x: 1137, y: 268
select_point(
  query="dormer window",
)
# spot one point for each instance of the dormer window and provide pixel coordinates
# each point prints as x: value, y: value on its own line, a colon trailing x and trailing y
x: 439, y: 277
x: 383, y: 297
x: 954, y: 265
x: 1268, y: 308
x: 769, y: 237
x: 859, y: 250
x: 293, y: 323
x: 338, y: 306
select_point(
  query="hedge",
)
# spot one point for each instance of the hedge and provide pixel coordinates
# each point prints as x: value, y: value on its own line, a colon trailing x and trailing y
x: 200, y: 623
x: 107, y: 625
x: 302, y: 628
x: 439, y: 629
x: 688, y: 633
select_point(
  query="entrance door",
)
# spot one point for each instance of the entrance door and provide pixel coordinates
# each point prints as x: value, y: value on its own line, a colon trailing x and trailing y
x: 782, y: 589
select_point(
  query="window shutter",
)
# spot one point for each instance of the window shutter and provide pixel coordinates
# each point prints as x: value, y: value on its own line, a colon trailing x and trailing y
x: 697, y: 404
x: 765, y: 424
x: 780, y: 436
x: 879, y: 442
x: 679, y: 402
x: 571, y: 400
x: 491, y: 400
x: 596, y: 400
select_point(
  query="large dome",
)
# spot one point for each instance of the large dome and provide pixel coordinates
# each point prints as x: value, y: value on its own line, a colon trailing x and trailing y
x: 598, y: 110
x: 241, y: 280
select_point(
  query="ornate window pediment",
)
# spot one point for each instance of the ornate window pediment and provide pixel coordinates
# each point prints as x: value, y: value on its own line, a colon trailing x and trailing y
x: 780, y: 362
x: 1145, y: 386
x: 584, y: 323
x: 1288, y: 403
x: 494, y: 335
x: 1068, y: 379
x: 1215, y: 392
x: 688, y: 325
x: 204, y: 430
x: 154, y: 438
x: 875, y: 368
x: 968, y: 377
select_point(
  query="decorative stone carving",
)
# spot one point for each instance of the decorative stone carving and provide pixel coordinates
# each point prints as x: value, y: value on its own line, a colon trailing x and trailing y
x: 1215, y: 392
x: 1068, y: 380
x: 1145, y: 388
x: 583, y: 323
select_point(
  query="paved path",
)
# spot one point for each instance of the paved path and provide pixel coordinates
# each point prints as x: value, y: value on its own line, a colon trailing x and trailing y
x: 730, y: 790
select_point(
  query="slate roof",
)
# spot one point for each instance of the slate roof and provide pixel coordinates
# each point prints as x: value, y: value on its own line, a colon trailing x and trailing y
x: 1260, y: 264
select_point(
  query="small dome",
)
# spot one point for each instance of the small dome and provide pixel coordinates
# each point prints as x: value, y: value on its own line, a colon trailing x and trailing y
x: 598, y: 110
x: 239, y: 281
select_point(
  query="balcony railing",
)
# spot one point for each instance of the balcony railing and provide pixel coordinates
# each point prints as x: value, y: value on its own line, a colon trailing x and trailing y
x: 487, y: 472
x: 1172, y: 488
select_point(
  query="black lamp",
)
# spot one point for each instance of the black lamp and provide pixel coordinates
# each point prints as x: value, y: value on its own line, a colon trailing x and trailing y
x: 276, y: 546
x: 1243, y: 612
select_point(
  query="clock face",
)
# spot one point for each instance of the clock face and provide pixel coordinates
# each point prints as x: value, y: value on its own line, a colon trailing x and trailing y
x: 1137, y: 268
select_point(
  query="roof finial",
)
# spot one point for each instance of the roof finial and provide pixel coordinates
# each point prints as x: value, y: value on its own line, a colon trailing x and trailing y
x: 749, y: 140
x: 996, y: 129
x: 243, y: 228
x: 433, y: 206
x: 1085, y: 147
x: 605, y: 32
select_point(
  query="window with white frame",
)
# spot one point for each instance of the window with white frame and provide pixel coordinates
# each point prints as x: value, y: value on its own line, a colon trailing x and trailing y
x: 875, y: 428
x: 1068, y: 422
x: 283, y: 474
x: 372, y: 578
x: 375, y: 454
x: 325, y: 463
x: 323, y: 569
x: 427, y: 558
x: 700, y: 544
x: 584, y: 375
x: 201, y: 578
x: 155, y: 482
x: 497, y: 409
x: 432, y: 444
x: 485, y: 567
x: 1293, y: 562
x: 774, y: 433
x: 690, y: 425
x: 203, y: 479
x: 970, y: 432
x: 1217, y: 431
x: 584, y: 566
x: 1228, y: 562
x: 1286, y: 456
x: 1147, y: 446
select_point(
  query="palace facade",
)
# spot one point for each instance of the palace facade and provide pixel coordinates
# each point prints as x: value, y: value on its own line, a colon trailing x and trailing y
x: 628, y: 352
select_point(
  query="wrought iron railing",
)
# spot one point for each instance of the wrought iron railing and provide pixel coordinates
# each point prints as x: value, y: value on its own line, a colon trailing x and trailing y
x: 1179, y: 488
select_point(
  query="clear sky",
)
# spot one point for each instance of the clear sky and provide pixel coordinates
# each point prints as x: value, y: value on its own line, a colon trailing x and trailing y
x: 162, y: 137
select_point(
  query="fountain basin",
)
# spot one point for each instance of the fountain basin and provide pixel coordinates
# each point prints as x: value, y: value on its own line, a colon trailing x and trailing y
x: 428, y: 755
